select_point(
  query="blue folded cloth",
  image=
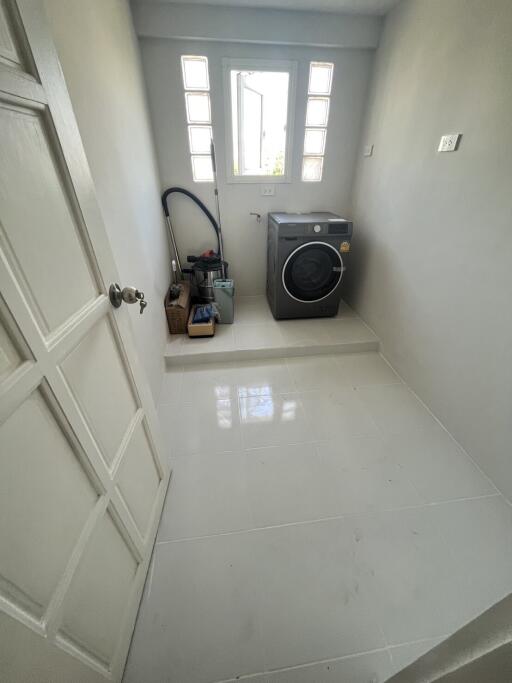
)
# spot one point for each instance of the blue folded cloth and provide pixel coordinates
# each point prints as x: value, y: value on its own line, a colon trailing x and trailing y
x: 203, y: 314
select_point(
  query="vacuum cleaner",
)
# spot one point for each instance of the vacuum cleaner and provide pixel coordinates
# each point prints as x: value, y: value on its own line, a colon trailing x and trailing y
x: 209, y: 266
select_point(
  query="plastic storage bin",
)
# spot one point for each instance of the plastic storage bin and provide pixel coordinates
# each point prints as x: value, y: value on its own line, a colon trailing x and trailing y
x: 224, y: 291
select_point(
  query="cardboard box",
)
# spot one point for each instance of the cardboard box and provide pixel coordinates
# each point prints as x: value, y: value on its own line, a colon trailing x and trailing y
x: 200, y: 329
x: 177, y: 310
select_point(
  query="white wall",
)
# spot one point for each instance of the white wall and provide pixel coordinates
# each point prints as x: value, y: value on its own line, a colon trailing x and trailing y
x: 100, y: 59
x: 430, y: 269
x: 244, y: 238
x: 252, y: 25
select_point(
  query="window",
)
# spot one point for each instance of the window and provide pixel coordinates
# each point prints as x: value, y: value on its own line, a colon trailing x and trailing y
x: 199, y: 115
x: 317, y: 117
x: 258, y: 101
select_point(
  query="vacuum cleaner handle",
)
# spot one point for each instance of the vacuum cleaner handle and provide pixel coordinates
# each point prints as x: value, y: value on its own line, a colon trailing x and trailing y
x: 194, y: 198
x: 164, y: 201
x: 217, y: 205
x: 212, y: 153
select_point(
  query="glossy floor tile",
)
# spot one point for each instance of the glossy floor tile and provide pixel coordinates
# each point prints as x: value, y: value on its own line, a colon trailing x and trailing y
x: 252, y: 310
x: 337, y: 414
x: 437, y: 466
x: 273, y: 419
x: 365, y: 369
x: 315, y: 372
x: 207, y: 496
x: 320, y: 526
x: 414, y: 578
x: 314, y: 603
x: 395, y: 409
x: 311, y: 481
x: 365, y: 480
x: 188, y: 384
x: 479, y: 535
x: 304, y: 332
x: 198, y: 622
x: 372, y: 667
x: 206, y: 426
x: 403, y: 655
x: 261, y: 336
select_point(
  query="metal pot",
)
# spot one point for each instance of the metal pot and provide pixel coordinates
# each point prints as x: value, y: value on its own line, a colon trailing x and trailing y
x: 203, y: 280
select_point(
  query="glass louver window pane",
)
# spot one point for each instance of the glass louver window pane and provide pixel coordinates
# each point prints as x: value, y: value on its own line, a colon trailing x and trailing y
x: 314, y: 141
x: 198, y: 107
x: 202, y: 169
x: 320, y: 78
x: 200, y: 138
x: 312, y: 169
x: 195, y: 72
x: 317, y: 111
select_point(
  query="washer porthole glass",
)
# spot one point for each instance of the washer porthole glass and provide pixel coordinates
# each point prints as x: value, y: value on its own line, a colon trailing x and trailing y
x: 312, y: 271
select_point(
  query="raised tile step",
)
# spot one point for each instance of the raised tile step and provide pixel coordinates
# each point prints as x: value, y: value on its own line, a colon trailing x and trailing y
x: 256, y: 335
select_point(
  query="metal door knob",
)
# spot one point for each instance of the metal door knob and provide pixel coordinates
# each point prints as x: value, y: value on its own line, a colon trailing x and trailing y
x: 130, y: 295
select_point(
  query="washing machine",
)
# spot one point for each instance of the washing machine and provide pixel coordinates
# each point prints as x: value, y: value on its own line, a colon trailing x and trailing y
x: 307, y: 254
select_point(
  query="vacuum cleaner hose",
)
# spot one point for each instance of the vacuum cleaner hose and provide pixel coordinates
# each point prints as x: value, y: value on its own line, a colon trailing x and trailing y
x: 199, y: 203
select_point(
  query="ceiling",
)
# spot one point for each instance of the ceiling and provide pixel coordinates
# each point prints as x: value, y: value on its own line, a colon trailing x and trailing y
x: 353, y: 6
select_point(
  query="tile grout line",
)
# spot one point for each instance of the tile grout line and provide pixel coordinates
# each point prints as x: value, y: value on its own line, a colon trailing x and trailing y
x: 316, y: 662
x: 347, y: 515
x: 296, y: 390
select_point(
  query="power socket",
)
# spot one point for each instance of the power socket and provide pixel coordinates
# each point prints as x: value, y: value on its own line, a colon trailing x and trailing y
x: 449, y: 142
x: 268, y: 190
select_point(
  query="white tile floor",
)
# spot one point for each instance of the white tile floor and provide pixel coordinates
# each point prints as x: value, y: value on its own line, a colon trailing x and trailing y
x: 255, y: 334
x: 320, y: 527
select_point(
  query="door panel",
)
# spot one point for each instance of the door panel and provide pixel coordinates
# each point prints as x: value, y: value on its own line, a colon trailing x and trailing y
x: 91, y: 369
x: 40, y: 478
x: 8, y: 53
x: 107, y: 571
x: 28, y: 658
x: 10, y: 356
x: 39, y: 234
x: 82, y: 471
x: 139, y: 478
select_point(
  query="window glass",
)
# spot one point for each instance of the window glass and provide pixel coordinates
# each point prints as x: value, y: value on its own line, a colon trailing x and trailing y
x: 202, y: 169
x: 317, y: 111
x: 259, y: 108
x: 200, y: 138
x: 198, y: 107
x: 195, y: 73
x: 320, y: 77
x: 314, y: 141
x: 312, y: 169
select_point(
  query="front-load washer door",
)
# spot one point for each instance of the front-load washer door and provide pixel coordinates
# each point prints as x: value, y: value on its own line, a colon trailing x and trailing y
x: 312, y: 271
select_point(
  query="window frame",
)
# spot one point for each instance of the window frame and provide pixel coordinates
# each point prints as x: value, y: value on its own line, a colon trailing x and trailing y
x: 290, y: 66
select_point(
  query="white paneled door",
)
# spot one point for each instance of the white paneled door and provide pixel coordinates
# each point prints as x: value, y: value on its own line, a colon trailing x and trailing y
x: 82, y: 476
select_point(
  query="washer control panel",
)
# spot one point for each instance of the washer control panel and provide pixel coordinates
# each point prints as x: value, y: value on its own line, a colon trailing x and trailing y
x: 319, y: 224
x: 331, y: 228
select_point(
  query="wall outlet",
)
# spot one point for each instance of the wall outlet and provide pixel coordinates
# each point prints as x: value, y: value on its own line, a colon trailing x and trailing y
x: 268, y: 190
x: 367, y: 150
x: 449, y: 143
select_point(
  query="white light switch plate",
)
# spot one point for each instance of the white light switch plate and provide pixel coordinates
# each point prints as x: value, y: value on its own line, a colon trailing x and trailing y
x: 268, y: 190
x: 368, y: 150
x: 449, y: 142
